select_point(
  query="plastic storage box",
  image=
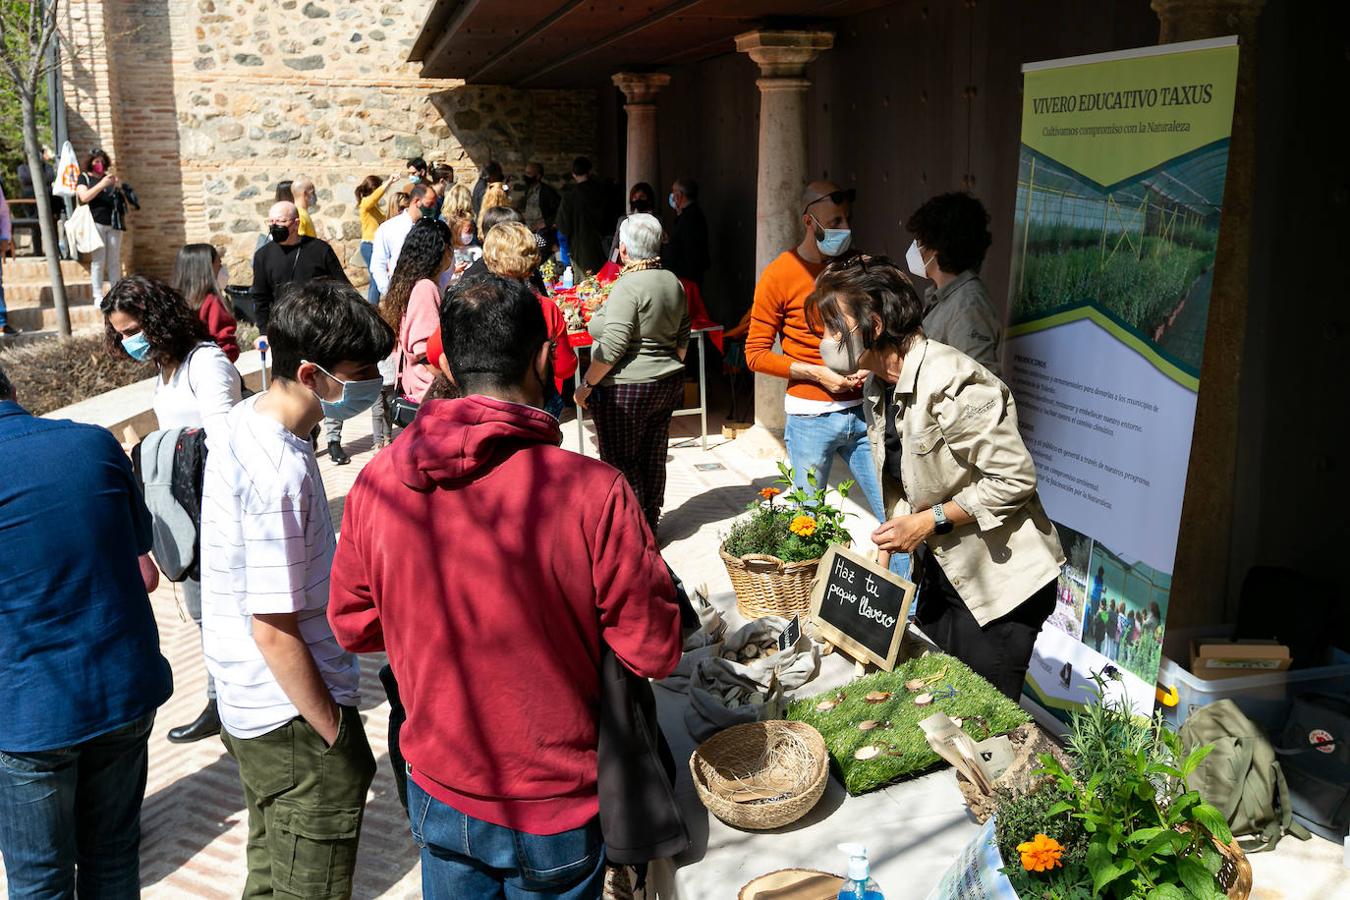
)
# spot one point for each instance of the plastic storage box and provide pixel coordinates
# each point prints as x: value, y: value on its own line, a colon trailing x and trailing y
x: 1263, y: 698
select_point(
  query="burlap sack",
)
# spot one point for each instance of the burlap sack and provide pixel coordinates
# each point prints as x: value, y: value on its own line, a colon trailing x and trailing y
x: 758, y: 685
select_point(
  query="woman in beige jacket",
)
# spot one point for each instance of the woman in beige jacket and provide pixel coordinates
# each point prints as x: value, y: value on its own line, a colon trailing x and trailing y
x: 957, y: 480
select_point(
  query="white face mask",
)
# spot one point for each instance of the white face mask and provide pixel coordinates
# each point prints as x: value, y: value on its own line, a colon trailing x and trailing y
x: 915, y: 262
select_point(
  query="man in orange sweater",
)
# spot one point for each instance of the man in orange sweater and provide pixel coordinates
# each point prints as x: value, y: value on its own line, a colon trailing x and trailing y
x: 824, y: 409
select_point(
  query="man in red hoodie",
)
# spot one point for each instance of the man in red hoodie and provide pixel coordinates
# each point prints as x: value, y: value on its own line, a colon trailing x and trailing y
x: 491, y: 565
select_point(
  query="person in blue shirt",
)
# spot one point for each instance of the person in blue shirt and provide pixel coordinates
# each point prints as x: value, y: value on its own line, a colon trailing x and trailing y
x: 81, y: 673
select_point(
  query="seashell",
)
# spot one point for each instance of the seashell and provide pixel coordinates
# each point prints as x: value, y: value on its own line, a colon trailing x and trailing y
x: 871, y: 751
x: 826, y: 705
x: 749, y: 651
x: 877, y: 697
x: 923, y: 699
x: 914, y: 685
x: 868, y: 724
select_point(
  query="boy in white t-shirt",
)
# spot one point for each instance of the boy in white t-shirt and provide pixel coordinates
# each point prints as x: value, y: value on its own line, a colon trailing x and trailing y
x: 287, y: 691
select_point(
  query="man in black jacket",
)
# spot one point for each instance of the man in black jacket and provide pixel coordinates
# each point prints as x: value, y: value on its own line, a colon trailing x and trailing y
x: 686, y: 253
x: 584, y: 218
x: 289, y: 257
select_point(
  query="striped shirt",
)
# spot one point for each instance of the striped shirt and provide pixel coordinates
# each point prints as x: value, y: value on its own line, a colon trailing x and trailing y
x: 267, y: 547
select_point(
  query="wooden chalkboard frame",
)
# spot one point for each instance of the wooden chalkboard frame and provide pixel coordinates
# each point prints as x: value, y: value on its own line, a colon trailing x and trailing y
x: 841, y: 639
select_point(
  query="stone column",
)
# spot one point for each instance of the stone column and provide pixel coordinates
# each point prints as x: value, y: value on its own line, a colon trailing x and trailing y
x: 782, y: 57
x: 1199, y: 579
x: 639, y: 91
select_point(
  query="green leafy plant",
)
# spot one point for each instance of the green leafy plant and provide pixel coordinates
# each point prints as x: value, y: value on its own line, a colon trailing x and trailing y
x: 792, y: 523
x: 1145, y: 833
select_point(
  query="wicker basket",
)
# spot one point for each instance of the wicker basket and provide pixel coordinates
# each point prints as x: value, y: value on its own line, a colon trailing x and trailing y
x: 767, y: 586
x: 735, y: 758
x: 1235, y: 875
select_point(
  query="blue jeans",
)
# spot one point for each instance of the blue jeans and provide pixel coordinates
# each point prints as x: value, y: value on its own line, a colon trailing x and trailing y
x: 467, y: 857
x: 372, y: 292
x: 4, y: 312
x: 72, y: 816
x: 813, y: 441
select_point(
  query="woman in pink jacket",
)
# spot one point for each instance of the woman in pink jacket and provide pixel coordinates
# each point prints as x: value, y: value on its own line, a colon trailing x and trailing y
x: 412, y: 304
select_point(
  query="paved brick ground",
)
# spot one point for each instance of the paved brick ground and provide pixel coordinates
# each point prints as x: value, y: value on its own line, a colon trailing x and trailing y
x: 193, y: 823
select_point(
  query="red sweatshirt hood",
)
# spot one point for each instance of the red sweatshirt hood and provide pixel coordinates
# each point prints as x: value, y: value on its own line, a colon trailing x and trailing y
x: 459, y: 440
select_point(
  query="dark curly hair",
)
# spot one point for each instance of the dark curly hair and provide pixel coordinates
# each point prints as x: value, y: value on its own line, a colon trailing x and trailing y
x: 956, y: 226
x: 863, y: 287
x: 421, y: 257
x: 169, y: 325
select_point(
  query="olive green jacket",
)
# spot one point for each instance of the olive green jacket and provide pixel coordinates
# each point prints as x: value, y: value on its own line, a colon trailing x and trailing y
x: 958, y: 430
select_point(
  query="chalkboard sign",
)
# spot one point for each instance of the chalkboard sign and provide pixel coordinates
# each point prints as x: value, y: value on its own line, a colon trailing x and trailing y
x: 861, y: 607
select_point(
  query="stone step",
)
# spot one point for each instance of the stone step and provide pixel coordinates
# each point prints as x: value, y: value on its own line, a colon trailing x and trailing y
x: 45, y: 334
x: 39, y: 318
x: 34, y: 269
x: 21, y: 295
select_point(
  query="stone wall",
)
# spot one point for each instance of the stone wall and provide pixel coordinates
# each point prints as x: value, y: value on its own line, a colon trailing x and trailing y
x: 215, y: 101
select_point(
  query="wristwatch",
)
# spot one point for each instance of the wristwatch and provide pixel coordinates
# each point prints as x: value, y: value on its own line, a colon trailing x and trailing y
x: 943, y: 525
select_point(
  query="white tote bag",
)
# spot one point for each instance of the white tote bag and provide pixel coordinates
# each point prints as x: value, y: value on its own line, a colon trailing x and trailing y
x: 82, y: 232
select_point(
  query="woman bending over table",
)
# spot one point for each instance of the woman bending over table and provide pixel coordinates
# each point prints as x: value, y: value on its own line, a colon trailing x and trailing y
x: 957, y: 480
x: 636, y: 377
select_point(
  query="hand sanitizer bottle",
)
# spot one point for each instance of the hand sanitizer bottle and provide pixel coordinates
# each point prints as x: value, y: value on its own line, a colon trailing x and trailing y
x: 859, y: 885
x: 567, y: 278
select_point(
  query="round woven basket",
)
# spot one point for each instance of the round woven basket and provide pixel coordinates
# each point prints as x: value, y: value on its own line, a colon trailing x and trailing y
x: 1235, y: 875
x: 738, y: 759
x: 767, y: 586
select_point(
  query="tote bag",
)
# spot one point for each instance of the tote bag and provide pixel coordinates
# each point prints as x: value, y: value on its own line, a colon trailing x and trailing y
x: 82, y: 232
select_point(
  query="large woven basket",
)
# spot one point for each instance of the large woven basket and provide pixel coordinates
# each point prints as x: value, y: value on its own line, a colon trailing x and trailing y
x: 736, y: 758
x: 767, y: 586
x: 1235, y: 875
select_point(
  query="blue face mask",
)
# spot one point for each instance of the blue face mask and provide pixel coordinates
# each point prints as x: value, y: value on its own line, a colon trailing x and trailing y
x: 671, y: 201
x: 832, y: 241
x: 357, y: 396
x: 137, y: 345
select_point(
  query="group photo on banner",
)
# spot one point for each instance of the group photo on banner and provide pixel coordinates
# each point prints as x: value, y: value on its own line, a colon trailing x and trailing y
x: 1119, y: 193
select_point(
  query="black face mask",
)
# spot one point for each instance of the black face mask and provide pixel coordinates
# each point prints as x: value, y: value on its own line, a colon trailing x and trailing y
x: 531, y: 180
x: 278, y: 233
x: 640, y: 205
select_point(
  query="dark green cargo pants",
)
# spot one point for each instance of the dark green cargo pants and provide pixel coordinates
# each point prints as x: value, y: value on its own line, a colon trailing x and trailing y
x: 304, y: 802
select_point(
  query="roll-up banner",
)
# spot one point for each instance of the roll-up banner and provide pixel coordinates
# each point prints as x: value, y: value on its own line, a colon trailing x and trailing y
x: 1119, y: 194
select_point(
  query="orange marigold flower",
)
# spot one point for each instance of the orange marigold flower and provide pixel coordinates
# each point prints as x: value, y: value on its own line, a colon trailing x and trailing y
x: 803, y: 525
x: 1041, y: 854
x: 769, y: 493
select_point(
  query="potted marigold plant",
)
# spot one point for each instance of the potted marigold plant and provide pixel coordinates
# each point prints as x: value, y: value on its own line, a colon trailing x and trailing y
x: 772, y: 554
x: 1120, y: 822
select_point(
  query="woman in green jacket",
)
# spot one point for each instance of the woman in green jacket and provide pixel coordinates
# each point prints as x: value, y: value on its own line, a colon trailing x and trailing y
x: 636, y: 377
x: 957, y: 481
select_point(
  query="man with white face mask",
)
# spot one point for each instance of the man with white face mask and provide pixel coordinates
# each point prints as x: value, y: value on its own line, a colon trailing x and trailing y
x: 824, y: 408
x: 951, y: 237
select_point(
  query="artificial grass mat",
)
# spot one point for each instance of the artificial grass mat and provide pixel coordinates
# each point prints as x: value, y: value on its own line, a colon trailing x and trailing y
x: 909, y: 753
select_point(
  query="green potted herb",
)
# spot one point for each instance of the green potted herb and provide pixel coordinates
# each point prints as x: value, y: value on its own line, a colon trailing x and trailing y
x: 1121, y: 822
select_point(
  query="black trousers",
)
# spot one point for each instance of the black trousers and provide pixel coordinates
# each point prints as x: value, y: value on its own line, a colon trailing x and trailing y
x: 1000, y: 651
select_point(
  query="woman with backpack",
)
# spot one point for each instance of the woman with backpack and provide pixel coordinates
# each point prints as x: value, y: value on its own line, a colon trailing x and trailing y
x: 412, y: 304
x: 197, y: 386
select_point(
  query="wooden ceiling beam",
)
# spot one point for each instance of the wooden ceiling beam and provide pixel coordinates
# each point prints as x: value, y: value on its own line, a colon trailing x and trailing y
x: 543, y: 25
x: 434, y: 63
x: 642, y: 25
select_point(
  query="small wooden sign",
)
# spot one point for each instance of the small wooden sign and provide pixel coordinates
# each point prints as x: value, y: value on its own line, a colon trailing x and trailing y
x: 861, y: 607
